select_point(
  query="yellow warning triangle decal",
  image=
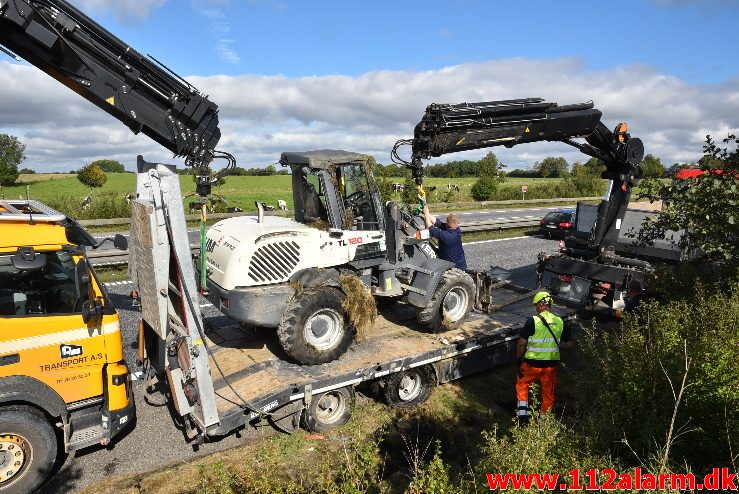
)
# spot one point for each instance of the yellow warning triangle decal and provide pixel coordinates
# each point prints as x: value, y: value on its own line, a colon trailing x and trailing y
x: 527, y: 130
x: 110, y: 100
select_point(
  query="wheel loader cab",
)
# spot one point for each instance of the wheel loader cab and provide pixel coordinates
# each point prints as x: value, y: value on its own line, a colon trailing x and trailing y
x: 334, y: 187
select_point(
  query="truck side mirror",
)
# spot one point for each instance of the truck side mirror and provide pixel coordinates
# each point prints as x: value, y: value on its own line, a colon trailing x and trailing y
x: 92, y: 309
x: 82, y: 278
x: 120, y: 242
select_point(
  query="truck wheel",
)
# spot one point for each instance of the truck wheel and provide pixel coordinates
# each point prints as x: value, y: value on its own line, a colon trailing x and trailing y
x: 314, y: 328
x: 328, y: 410
x: 28, y: 449
x: 409, y: 388
x: 450, y: 304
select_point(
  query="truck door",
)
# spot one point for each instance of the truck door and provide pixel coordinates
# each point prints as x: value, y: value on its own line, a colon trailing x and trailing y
x: 42, y: 331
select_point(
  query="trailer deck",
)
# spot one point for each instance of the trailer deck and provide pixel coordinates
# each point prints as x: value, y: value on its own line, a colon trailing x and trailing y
x: 249, y: 371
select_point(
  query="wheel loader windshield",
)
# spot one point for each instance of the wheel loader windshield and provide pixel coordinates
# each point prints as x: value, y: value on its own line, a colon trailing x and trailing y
x: 357, y: 197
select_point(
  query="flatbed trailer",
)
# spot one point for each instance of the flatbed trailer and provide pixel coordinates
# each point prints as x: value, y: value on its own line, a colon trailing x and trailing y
x: 251, y: 376
x: 222, y: 376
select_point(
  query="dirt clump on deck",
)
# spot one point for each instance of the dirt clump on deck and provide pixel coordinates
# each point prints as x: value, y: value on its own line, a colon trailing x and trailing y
x: 359, y: 304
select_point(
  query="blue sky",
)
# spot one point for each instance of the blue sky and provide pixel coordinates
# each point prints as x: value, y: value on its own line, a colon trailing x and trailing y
x: 696, y: 40
x: 292, y: 75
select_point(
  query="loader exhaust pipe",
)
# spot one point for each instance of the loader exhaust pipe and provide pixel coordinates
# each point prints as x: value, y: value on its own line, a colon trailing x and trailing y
x: 260, y: 212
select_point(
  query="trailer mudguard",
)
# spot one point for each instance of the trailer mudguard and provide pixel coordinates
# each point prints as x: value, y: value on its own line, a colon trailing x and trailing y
x: 425, y: 280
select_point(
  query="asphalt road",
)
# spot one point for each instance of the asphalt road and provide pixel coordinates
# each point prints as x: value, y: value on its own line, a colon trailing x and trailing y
x: 156, y: 442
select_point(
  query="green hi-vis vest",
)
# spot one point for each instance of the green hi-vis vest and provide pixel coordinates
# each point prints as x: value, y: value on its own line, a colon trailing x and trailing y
x: 541, y: 345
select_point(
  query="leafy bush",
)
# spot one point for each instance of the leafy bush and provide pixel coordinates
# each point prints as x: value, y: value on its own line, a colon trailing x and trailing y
x: 104, y: 205
x: 543, y: 447
x: 432, y: 477
x: 484, y: 189
x: 110, y: 166
x: 92, y: 176
x: 633, y: 381
x: 12, y: 154
x: 706, y: 207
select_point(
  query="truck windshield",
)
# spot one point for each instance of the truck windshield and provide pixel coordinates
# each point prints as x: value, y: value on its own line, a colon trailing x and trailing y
x: 44, y: 291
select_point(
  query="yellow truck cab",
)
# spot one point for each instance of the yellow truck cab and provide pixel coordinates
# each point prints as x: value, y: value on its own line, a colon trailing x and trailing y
x: 63, y: 382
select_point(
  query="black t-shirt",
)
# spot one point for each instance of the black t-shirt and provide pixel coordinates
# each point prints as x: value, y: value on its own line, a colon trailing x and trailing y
x: 529, y: 329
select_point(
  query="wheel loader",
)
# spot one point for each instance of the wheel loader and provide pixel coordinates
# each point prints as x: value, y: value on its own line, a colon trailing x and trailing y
x: 286, y: 273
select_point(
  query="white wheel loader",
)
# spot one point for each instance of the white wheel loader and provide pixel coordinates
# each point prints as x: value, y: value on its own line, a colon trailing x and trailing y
x: 284, y: 273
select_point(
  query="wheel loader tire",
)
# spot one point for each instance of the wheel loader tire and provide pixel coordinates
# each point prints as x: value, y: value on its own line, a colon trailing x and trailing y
x: 314, y: 328
x: 328, y: 410
x: 28, y: 449
x: 409, y: 388
x: 450, y: 304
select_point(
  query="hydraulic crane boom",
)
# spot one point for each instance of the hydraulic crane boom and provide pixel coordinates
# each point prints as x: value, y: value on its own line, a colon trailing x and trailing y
x: 448, y: 128
x: 62, y: 41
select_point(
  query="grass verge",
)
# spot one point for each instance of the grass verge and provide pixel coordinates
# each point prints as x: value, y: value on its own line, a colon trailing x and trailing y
x: 108, y: 274
x: 499, y: 234
x: 381, y: 450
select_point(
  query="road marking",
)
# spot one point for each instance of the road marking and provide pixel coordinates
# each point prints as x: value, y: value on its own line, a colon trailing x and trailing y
x: 99, y: 237
x: 117, y: 283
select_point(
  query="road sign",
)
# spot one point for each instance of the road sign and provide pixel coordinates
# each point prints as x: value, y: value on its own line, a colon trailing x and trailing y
x: 524, y: 188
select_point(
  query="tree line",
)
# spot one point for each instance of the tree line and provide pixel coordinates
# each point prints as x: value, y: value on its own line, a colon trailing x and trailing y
x: 12, y: 154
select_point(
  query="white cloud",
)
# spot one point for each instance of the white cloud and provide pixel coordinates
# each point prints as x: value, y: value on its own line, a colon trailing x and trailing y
x: 262, y: 116
x: 221, y: 28
x: 124, y: 10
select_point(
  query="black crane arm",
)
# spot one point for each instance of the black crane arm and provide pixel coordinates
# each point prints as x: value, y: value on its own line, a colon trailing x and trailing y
x: 448, y: 128
x: 62, y: 41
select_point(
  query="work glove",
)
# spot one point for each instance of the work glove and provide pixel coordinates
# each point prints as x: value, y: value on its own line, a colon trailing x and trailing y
x: 421, y: 199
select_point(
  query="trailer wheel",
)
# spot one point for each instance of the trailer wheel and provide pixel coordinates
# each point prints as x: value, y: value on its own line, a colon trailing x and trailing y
x: 328, y: 410
x: 450, y: 304
x: 28, y: 449
x: 314, y: 328
x: 409, y: 388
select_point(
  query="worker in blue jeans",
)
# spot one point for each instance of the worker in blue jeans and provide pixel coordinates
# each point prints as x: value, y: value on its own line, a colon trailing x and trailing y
x: 449, y: 236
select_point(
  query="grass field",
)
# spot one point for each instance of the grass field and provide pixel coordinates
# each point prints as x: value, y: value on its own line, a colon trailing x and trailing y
x: 238, y: 191
x: 65, y: 192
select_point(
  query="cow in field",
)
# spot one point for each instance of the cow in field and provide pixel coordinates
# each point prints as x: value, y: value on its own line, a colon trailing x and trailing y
x: 195, y: 206
x: 129, y: 198
x: 452, y: 187
x: 282, y: 204
x: 267, y: 207
x: 86, y: 203
x: 397, y: 187
x: 234, y: 210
